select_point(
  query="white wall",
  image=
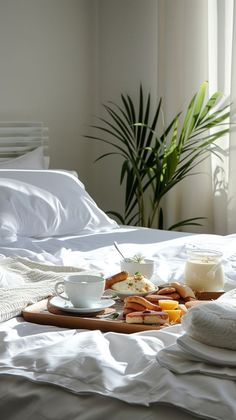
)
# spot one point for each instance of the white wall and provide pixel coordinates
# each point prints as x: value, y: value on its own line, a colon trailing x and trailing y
x: 183, y: 27
x: 126, y: 55
x: 46, y: 56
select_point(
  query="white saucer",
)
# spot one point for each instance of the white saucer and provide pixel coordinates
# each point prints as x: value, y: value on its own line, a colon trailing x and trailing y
x: 67, y: 306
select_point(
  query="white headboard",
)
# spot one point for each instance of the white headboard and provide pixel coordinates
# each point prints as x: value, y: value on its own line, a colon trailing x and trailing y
x: 18, y: 138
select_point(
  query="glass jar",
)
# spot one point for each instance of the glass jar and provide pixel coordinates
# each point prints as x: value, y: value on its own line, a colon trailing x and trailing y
x: 204, y: 271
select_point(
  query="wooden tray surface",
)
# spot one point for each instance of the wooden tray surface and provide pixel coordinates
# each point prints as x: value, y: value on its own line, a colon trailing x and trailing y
x: 44, y: 312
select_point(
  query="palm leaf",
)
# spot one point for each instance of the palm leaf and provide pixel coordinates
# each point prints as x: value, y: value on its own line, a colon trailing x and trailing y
x: 187, y: 222
x: 117, y: 216
x: 125, y: 129
x: 140, y: 116
x: 209, y: 105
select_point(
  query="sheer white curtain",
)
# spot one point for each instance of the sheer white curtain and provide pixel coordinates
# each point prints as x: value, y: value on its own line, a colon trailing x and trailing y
x: 231, y: 77
x: 222, y: 55
x: 197, y: 42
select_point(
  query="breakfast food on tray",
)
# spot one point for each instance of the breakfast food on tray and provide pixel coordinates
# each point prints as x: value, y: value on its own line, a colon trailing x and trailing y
x: 192, y: 303
x: 176, y: 291
x: 132, y: 306
x: 142, y: 301
x: 116, y: 278
x: 167, y: 290
x: 135, y: 308
x: 138, y: 310
x: 183, y: 308
x: 174, y: 315
x: 154, y: 298
x: 137, y: 258
x: 184, y: 291
x: 147, y: 317
x: 168, y: 304
x: 201, y: 295
x: 124, y: 283
x: 138, y: 303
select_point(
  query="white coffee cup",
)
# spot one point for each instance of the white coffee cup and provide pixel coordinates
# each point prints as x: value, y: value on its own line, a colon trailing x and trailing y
x: 83, y: 290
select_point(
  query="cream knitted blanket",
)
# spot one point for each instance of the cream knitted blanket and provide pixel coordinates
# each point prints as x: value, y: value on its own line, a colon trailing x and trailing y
x: 23, y: 282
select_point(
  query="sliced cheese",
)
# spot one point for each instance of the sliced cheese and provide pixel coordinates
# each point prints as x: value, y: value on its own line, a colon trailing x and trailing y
x: 168, y: 304
x: 174, y: 314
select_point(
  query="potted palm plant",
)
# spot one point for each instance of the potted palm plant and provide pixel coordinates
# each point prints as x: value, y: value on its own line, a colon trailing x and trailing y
x: 153, y: 161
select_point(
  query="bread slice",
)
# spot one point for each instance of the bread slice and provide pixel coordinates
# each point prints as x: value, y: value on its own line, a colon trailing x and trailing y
x: 147, y: 317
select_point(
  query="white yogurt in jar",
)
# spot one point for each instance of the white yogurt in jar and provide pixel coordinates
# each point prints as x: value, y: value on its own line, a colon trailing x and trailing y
x: 204, y: 271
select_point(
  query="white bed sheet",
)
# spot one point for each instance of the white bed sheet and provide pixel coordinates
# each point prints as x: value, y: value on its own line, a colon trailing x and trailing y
x: 96, y: 251
x: 22, y: 399
x: 90, y: 249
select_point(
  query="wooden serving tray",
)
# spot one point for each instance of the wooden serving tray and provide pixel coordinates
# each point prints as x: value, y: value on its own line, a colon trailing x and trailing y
x: 208, y: 295
x: 44, y: 312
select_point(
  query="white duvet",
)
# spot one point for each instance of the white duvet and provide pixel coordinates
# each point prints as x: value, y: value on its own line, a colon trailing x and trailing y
x: 122, y: 367
x: 96, y: 251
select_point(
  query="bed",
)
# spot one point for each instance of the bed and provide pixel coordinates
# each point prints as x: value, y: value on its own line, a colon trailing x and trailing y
x: 49, y: 221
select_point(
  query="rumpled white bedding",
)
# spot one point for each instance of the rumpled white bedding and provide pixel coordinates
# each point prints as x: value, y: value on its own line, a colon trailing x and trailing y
x: 113, y: 365
x: 169, y: 249
x: 104, y: 364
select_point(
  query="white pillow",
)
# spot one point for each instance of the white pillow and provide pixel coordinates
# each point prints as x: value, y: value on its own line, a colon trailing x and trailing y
x: 51, y: 203
x: 31, y: 160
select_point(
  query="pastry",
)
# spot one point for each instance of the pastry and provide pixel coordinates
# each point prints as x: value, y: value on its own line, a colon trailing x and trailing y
x: 141, y: 301
x: 170, y: 292
x: 192, y: 303
x: 155, y: 298
x: 147, y: 317
x: 166, y: 290
x: 134, y: 306
x: 110, y: 281
x: 184, y: 291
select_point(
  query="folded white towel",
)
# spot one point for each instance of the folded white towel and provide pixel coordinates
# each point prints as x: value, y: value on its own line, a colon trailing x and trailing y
x: 195, y: 350
x: 190, y: 356
x: 209, y: 343
x: 213, y: 323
